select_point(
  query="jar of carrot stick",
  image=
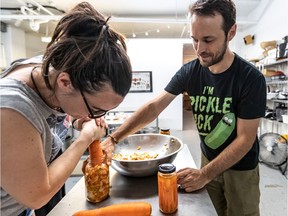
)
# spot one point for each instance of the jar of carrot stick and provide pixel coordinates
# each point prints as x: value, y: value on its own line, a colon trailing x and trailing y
x: 167, y: 188
x: 96, y: 175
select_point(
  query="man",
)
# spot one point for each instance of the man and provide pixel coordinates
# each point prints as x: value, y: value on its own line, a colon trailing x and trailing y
x: 228, y: 97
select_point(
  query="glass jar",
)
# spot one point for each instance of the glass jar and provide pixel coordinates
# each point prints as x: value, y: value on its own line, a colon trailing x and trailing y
x: 167, y: 188
x: 96, y: 176
x: 165, y: 131
x: 96, y: 182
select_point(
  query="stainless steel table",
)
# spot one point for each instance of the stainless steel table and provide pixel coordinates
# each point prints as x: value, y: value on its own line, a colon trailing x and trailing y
x: 128, y: 189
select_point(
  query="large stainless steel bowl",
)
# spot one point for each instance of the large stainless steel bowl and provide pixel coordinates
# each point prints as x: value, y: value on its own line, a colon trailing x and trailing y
x: 165, y: 146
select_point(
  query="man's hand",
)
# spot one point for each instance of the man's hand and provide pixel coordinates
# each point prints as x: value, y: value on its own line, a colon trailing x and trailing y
x: 191, y: 179
x: 108, y: 148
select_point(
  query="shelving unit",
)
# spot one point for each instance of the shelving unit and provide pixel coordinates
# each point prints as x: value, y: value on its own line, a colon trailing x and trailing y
x: 281, y: 85
x: 277, y: 63
x: 277, y: 82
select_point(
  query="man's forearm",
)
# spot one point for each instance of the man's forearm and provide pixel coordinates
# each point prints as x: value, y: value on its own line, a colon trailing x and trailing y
x: 144, y: 115
x: 223, y: 161
x: 246, y: 130
x: 135, y: 122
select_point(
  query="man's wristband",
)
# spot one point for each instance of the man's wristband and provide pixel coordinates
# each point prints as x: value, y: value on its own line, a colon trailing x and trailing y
x: 113, y: 138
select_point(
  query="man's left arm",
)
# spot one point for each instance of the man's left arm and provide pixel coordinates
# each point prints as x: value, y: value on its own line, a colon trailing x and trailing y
x: 246, y: 135
x: 193, y: 179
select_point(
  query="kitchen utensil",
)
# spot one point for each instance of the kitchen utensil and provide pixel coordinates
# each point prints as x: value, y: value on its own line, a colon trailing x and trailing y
x: 166, y: 146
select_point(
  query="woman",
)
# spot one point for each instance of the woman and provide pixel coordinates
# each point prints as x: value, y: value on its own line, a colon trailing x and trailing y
x: 84, y: 72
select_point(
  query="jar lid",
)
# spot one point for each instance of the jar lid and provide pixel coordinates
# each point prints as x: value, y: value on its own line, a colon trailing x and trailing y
x: 164, y: 129
x: 166, y: 168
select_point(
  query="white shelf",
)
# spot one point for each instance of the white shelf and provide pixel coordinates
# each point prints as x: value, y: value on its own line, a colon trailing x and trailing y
x: 274, y: 121
x: 276, y: 63
x: 277, y: 82
x: 279, y: 101
x: 268, y: 125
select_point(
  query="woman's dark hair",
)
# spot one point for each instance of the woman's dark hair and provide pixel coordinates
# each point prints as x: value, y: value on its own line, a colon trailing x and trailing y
x: 93, y: 54
x: 226, y: 8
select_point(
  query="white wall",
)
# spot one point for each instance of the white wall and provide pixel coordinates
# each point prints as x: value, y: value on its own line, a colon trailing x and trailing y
x: 164, y: 58
x: 34, y: 45
x: 14, y: 45
x: 272, y: 25
x: 3, y: 63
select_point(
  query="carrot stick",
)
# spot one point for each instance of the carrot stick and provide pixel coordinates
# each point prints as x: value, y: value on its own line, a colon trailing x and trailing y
x: 122, y: 209
x: 96, y: 153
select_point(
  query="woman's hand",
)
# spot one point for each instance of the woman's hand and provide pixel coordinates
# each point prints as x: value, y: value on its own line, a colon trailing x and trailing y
x: 92, y: 129
x: 78, y: 123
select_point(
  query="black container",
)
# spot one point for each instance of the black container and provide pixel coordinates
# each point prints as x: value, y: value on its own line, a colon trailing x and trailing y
x: 282, y: 49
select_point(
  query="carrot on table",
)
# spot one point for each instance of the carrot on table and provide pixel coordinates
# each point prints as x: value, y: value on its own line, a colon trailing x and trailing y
x: 121, y: 209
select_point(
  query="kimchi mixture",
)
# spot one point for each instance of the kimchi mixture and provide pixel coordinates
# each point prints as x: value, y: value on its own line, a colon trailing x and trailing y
x: 97, y: 182
x: 135, y: 156
x: 139, y: 156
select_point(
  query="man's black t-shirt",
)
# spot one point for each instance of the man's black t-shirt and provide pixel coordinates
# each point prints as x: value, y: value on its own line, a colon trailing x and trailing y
x: 218, y: 100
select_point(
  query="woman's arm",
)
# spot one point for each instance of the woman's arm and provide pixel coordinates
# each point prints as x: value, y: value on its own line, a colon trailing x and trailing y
x: 24, y: 171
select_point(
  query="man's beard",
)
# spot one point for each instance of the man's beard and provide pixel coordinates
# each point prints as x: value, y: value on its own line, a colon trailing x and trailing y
x: 215, y: 59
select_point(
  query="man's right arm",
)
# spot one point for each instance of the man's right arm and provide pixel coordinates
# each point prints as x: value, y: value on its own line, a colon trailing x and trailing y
x: 140, y: 118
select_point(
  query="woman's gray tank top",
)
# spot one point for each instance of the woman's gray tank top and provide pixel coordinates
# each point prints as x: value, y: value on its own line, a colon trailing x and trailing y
x: 52, y: 125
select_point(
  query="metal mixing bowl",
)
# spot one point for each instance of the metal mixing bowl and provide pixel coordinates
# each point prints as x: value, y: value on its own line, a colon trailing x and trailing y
x: 165, y: 146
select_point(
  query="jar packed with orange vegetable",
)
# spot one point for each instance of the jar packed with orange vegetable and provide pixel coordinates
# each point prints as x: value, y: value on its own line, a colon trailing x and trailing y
x: 96, y: 175
x: 167, y: 188
x: 96, y: 182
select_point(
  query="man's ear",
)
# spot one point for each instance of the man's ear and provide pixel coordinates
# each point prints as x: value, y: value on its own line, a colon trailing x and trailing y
x: 64, y: 82
x: 232, y: 32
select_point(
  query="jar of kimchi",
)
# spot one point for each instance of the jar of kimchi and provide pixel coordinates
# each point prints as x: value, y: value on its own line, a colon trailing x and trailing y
x: 96, y: 175
x: 167, y: 188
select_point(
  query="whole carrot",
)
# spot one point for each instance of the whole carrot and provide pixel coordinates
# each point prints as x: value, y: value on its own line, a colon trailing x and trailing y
x: 122, y: 209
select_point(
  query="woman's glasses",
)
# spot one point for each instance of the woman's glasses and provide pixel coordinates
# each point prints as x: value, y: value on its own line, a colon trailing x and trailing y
x: 93, y: 114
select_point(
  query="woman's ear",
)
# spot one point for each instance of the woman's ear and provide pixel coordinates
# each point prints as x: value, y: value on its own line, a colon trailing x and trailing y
x: 64, y: 82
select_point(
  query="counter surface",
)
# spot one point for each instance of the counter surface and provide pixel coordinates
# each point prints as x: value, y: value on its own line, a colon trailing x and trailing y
x: 128, y: 189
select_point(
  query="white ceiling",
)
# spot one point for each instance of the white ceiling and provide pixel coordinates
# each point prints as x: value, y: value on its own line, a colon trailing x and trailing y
x: 169, y: 17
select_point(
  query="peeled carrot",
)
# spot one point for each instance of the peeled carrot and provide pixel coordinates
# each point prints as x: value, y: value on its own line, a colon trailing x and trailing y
x: 122, y: 209
x: 96, y: 153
